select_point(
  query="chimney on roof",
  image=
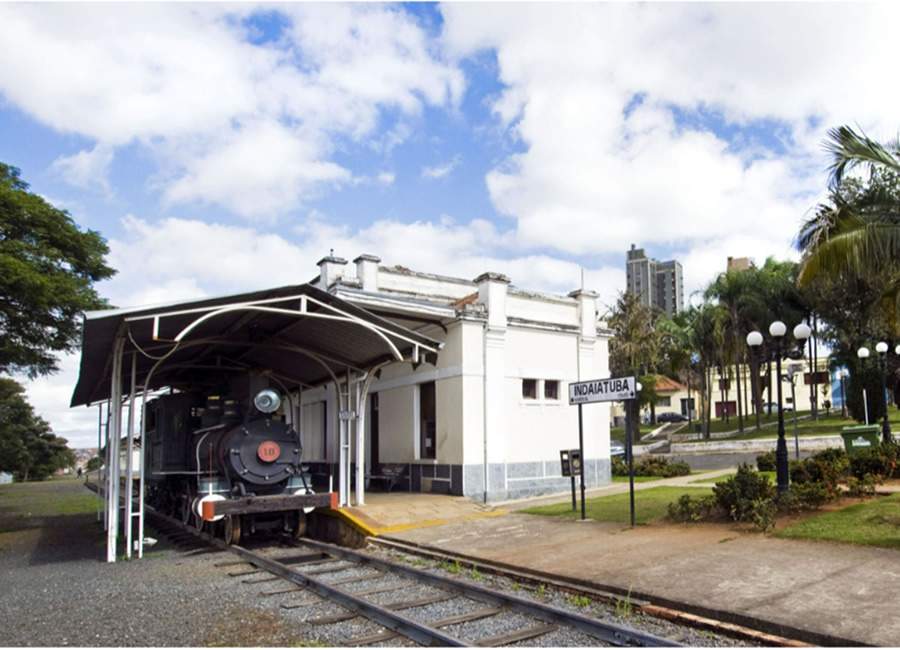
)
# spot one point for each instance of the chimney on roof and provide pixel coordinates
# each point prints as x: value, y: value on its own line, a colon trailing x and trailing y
x: 587, y: 312
x: 492, y: 294
x: 367, y: 271
x: 331, y: 269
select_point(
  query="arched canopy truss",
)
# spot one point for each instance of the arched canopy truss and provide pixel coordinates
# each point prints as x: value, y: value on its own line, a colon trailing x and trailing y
x: 299, y: 335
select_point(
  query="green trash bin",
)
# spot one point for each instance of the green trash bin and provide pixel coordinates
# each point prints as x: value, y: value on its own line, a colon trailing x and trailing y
x: 860, y: 437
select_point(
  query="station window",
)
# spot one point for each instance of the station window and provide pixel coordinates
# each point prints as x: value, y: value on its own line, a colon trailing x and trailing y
x: 551, y: 389
x: 529, y: 389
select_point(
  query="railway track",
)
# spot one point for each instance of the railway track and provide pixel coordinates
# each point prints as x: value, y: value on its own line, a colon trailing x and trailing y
x: 384, y: 591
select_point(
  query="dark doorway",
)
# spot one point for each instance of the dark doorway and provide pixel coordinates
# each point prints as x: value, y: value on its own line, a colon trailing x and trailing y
x: 427, y: 421
x: 373, y: 428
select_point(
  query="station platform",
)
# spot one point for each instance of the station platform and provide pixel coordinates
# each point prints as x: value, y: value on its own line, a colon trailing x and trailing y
x: 393, y: 512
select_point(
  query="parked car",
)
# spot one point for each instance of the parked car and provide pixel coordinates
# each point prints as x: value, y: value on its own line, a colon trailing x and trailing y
x: 785, y: 408
x: 616, y: 449
x: 671, y: 417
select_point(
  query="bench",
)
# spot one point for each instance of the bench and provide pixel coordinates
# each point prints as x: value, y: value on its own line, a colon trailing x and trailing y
x: 390, y: 474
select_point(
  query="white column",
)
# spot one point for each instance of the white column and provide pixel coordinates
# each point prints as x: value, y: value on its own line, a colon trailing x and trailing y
x: 587, y: 340
x: 492, y: 289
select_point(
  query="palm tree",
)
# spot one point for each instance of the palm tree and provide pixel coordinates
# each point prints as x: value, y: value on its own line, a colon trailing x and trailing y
x: 859, y: 230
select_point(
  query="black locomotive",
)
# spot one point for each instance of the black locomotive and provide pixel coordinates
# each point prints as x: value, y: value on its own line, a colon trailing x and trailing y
x: 218, y: 452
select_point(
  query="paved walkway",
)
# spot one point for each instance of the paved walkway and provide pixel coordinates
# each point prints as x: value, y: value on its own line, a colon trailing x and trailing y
x: 851, y: 592
x: 386, y: 513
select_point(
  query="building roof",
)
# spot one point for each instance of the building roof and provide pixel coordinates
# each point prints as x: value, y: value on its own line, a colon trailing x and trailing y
x: 667, y: 385
x: 297, y: 333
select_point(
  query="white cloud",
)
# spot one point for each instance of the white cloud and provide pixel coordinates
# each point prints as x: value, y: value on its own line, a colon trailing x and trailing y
x: 442, y: 170
x: 386, y: 178
x: 87, y: 169
x: 250, y: 127
x: 590, y: 92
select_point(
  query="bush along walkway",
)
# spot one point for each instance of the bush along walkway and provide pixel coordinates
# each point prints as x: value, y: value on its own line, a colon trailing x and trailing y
x: 750, y: 497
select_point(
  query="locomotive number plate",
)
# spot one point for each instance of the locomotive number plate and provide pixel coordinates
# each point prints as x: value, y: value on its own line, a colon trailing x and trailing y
x: 268, y: 451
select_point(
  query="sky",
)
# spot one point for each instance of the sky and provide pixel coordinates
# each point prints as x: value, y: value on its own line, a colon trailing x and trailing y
x: 221, y: 148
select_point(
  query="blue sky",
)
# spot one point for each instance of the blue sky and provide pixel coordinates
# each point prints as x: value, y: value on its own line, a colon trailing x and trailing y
x: 534, y: 140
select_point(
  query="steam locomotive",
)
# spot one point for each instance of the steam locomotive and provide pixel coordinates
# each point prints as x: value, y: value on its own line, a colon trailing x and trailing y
x: 227, y: 464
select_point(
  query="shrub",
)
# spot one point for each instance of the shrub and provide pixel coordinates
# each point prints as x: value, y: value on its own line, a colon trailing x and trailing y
x: 879, y: 461
x: 651, y: 466
x: 825, y: 469
x: 766, y: 462
x: 741, y: 494
x: 864, y: 487
x: 691, y: 509
x: 762, y: 513
x: 812, y: 496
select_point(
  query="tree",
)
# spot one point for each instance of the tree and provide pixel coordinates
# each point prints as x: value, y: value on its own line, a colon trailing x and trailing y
x: 94, y: 464
x: 28, y: 448
x: 858, y: 230
x: 47, y: 270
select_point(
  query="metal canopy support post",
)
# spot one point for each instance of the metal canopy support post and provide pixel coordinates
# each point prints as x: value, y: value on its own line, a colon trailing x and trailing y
x: 359, y: 423
x: 99, y: 447
x: 115, y: 428
x: 142, y: 447
x: 129, y: 449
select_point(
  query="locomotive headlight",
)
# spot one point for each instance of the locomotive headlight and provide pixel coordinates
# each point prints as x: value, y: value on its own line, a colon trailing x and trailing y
x: 267, y: 400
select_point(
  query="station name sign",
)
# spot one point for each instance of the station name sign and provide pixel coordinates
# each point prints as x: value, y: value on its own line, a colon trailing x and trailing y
x: 613, y: 389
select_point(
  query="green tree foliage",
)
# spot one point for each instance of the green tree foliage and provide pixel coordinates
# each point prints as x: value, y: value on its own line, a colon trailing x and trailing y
x: 856, y: 232
x: 47, y: 270
x: 28, y: 448
x: 94, y: 464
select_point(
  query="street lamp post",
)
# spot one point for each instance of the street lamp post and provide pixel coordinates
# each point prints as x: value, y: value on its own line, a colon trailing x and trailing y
x: 841, y: 376
x: 754, y: 340
x: 881, y: 348
x: 863, y: 354
x: 777, y: 330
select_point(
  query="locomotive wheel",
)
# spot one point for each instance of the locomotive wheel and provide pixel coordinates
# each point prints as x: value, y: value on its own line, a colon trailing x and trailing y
x: 231, y: 526
x: 299, y: 525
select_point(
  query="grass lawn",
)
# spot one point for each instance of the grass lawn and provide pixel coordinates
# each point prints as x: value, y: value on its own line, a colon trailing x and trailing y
x: 617, y: 434
x: 649, y: 505
x: 43, y: 499
x: 637, y: 479
x: 824, y: 426
x: 875, y: 522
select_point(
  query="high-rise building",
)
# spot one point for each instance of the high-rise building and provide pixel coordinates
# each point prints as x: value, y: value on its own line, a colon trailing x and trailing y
x: 659, y: 284
x: 739, y: 264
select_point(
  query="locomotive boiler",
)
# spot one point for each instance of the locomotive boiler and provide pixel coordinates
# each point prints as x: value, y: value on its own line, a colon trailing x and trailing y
x: 228, y: 463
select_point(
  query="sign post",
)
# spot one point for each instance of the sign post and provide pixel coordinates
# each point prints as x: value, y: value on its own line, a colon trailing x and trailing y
x: 630, y: 423
x: 613, y: 389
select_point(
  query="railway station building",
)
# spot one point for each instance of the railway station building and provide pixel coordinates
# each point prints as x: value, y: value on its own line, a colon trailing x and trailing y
x: 489, y: 418
x: 414, y: 381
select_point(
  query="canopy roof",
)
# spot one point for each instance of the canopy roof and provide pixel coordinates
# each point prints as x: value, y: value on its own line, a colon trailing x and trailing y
x: 298, y: 333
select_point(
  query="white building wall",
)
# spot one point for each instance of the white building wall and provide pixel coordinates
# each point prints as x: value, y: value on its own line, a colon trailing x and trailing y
x: 490, y: 442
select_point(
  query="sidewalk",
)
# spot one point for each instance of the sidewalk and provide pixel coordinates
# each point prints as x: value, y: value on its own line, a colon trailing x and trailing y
x: 613, y: 488
x: 846, y: 591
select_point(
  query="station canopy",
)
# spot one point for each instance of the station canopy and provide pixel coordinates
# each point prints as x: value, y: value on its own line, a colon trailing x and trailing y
x: 300, y: 335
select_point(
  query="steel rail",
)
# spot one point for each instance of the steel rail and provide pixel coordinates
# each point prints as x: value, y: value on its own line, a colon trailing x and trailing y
x: 619, y: 635
x: 418, y: 632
